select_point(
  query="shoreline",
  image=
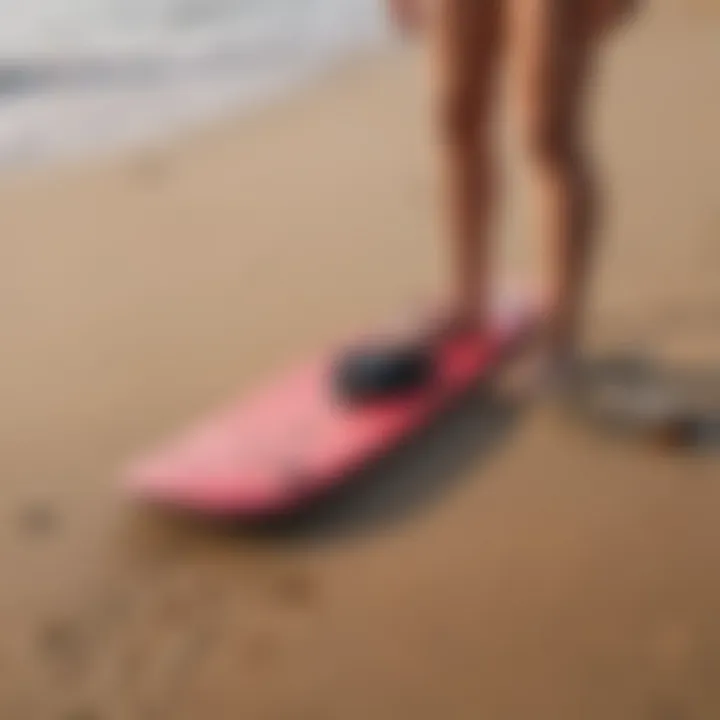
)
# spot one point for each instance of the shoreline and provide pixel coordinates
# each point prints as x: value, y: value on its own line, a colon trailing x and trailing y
x: 188, y: 106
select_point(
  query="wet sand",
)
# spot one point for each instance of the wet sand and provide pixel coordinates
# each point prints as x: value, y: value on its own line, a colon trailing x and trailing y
x: 510, y: 565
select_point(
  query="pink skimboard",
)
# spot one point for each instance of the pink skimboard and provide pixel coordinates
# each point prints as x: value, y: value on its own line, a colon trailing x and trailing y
x: 293, y: 440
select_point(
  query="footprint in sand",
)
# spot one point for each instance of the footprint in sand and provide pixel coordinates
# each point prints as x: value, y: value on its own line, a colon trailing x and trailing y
x: 39, y: 519
x: 151, y: 167
x: 271, y: 622
x: 297, y: 590
x: 63, y: 646
x: 261, y: 650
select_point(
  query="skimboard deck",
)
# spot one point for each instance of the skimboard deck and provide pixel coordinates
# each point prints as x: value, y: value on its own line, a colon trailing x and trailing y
x: 292, y: 441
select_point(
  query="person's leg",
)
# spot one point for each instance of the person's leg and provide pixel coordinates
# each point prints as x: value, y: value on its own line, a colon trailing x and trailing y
x: 465, y: 44
x: 552, y: 52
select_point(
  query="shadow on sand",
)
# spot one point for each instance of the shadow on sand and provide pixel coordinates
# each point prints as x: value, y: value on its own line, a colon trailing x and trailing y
x: 635, y: 397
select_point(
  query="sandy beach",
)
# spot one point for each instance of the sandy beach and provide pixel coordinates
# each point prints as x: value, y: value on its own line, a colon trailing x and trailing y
x: 512, y: 566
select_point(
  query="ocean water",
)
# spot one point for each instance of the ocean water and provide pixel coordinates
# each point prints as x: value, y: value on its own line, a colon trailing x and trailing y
x: 82, y: 75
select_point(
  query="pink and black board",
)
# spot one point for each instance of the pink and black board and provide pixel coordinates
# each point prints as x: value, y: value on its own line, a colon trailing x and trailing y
x: 292, y: 441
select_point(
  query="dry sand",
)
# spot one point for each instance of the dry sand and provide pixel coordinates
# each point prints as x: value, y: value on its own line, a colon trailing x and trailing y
x: 510, y: 567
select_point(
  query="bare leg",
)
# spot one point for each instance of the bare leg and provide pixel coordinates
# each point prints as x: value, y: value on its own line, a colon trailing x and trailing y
x: 552, y: 53
x: 466, y: 37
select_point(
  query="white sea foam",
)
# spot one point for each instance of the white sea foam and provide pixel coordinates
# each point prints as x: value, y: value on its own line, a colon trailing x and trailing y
x: 81, y: 75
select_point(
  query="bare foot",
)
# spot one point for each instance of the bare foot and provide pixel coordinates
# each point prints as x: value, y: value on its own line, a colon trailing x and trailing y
x: 544, y: 372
